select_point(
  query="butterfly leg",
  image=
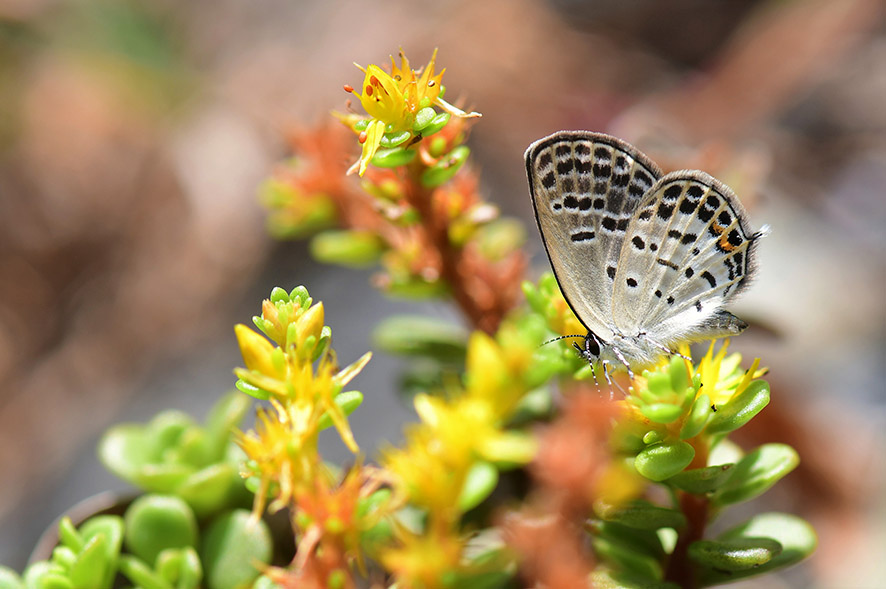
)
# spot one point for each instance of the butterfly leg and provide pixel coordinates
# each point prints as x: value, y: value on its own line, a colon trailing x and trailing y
x: 617, y: 353
x: 663, y: 347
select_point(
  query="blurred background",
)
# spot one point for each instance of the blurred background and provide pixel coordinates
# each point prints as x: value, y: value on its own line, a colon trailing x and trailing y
x: 134, y: 135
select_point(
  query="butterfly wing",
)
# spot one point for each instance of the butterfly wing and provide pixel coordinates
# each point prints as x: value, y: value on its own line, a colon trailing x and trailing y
x: 585, y: 189
x: 688, y: 251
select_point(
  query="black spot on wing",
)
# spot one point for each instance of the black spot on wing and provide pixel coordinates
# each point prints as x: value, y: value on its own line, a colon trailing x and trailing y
x: 583, y: 235
x: 565, y: 166
x: 665, y: 210
x: 710, y: 278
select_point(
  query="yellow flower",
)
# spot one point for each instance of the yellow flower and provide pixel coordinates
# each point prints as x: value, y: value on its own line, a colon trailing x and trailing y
x: 424, y: 560
x: 722, y: 377
x: 392, y: 101
x: 269, y: 447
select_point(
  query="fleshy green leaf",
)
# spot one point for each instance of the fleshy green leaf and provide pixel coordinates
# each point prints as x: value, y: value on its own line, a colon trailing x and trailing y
x: 409, y: 335
x: 438, y: 122
x: 234, y: 545
x: 740, y: 409
x: 796, y: 537
x: 156, y: 522
x: 140, y: 574
x: 348, y: 401
x: 389, y: 140
x: 446, y: 168
x: 641, y: 541
x: 349, y: 248
x: 604, y: 579
x: 423, y: 118
x: 738, y: 554
x: 393, y: 158
x: 642, y: 515
x: 697, y: 418
x: 9, y: 579
x: 662, y: 412
x: 702, y: 480
x: 661, y: 461
x: 757, y: 472
x: 479, y: 483
x: 624, y: 557
x: 90, y: 569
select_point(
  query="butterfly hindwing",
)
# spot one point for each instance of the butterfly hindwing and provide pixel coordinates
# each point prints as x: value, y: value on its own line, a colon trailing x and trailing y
x: 585, y: 190
x: 688, y: 250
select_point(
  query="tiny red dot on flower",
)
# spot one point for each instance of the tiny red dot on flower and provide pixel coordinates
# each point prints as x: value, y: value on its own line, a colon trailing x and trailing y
x: 362, y: 137
x: 374, y: 81
x: 368, y: 90
x: 348, y: 88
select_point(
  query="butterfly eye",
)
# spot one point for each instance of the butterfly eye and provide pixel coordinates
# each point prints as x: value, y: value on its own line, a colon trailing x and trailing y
x: 592, y: 346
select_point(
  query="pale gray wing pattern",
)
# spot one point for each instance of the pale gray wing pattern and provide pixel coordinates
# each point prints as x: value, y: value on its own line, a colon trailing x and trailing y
x: 688, y: 250
x: 585, y: 189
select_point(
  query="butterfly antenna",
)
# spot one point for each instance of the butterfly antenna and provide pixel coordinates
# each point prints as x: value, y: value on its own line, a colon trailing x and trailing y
x: 556, y: 339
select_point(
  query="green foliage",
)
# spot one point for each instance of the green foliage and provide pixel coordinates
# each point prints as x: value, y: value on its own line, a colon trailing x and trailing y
x: 173, y: 454
x: 233, y: 547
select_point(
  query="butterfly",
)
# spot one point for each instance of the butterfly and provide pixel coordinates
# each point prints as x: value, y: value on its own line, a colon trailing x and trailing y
x: 645, y: 260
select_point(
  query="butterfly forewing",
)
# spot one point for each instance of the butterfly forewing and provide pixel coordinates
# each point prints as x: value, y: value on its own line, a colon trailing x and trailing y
x: 687, y: 251
x: 585, y: 189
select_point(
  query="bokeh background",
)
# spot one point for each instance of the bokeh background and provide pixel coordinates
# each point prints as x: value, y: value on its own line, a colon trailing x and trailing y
x: 134, y: 135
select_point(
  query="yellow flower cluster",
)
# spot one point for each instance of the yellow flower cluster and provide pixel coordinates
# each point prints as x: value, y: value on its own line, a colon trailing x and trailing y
x: 455, y: 436
x: 301, y: 380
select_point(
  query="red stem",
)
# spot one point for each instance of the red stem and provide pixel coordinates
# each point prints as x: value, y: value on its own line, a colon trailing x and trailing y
x: 680, y: 569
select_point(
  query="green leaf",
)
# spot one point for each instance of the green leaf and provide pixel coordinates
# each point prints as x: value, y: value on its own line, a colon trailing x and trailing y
x: 9, y: 579
x: 702, y: 480
x: 697, y: 418
x: 438, y: 122
x: 446, y: 168
x: 140, y: 574
x: 252, y: 390
x: 349, y: 248
x: 756, y: 473
x: 642, y: 515
x: 393, y: 158
x: 738, y: 554
x: 181, y: 567
x: 224, y: 417
x: 796, y: 537
x: 662, y: 412
x: 233, y: 546
x: 347, y: 401
x: 625, y: 558
x: 479, y: 484
x: 662, y: 461
x: 740, y: 409
x: 208, y: 489
x: 641, y: 541
x: 91, y: 567
x: 156, y: 522
x: 390, y: 140
x: 68, y: 535
x: 605, y: 579
x: 109, y: 527
x: 411, y: 335
x: 423, y: 118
